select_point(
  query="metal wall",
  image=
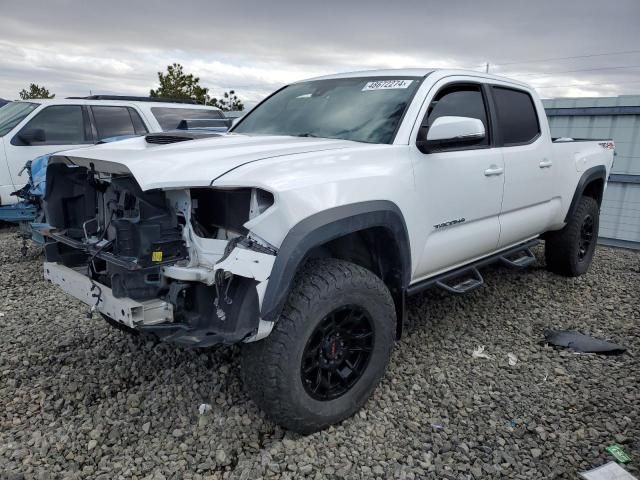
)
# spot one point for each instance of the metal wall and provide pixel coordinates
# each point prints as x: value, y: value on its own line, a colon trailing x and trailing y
x: 617, y: 118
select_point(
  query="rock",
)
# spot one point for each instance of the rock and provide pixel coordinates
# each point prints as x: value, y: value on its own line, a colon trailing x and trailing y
x: 222, y: 458
x: 495, y: 421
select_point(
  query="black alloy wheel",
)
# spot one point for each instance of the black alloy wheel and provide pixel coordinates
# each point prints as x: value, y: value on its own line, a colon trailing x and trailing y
x: 586, y: 237
x: 337, y: 353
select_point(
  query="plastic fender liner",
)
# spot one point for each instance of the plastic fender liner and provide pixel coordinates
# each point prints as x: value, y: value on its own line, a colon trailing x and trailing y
x: 323, y: 227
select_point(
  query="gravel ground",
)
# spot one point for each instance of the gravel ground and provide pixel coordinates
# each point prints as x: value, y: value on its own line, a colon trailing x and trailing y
x: 82, y: 400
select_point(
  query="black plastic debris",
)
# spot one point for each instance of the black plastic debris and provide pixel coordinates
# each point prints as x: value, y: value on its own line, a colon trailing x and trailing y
x: 582, y: 343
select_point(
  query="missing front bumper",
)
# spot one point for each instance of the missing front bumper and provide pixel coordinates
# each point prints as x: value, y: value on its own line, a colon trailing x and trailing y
x: 129, y: 312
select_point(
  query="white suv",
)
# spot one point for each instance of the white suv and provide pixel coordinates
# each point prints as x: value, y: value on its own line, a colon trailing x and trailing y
x: 32, y: 128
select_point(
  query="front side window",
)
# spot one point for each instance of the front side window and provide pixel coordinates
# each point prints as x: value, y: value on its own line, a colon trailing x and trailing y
x: 55, y: 125
x: 517, y: 117
x: 460, y: 101
x: 117, y: 121
x: 363, y: 109
x: 170, y: 118
x: 13, y: 113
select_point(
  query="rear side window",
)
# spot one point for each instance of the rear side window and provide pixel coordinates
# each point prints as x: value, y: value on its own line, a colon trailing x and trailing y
x: 517, y: 116
x: 55, y: 125
x: 460, y: 101
x: 170, y: 118
x: 117, y: 121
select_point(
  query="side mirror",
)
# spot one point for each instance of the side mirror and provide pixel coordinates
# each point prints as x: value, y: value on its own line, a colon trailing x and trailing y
x: 33, y: 135
x: 447, y: 132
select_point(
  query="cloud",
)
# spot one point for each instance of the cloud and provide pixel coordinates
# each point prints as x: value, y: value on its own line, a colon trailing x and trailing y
x: 254, y: 47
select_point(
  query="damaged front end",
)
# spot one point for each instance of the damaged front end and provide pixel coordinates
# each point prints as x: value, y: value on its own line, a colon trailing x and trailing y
x: 176, y: 263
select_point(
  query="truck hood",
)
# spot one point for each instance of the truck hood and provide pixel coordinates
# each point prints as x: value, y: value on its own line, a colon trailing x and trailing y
x: 194, y: 163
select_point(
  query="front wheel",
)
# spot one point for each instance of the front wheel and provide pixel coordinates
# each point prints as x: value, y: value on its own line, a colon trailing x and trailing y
x: 327, y: 351
x: 569, y: 251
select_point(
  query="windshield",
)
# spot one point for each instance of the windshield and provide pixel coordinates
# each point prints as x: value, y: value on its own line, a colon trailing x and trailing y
x: 361, y: 109
x: 12, y: 114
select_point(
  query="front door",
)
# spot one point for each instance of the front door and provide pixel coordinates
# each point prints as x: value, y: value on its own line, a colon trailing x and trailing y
x: 54, y: 128
x: 460, y: 188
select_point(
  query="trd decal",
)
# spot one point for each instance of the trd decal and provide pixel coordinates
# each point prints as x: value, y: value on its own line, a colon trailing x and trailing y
x: 449, y: 223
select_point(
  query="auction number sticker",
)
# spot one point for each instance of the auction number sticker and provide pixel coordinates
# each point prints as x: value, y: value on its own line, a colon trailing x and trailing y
x: 387, y: 84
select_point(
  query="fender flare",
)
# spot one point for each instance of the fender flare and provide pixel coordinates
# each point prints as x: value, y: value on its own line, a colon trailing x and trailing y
x: 599, y: 172
x: 325, y: 226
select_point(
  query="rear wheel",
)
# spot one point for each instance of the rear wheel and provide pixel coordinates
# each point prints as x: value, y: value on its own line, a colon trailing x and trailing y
x: 569, y: 251
x: 327, y: 351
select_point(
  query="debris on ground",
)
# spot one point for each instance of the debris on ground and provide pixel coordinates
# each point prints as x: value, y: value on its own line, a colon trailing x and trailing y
x: 609, y: 471
x: 204, y: 408
x: 582, y: 343
x: 618, y: 453
x: 479, y: 353
x: 512, y: 359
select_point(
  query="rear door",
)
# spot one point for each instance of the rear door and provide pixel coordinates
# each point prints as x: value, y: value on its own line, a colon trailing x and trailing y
x: 529, y: 170
x: 459, y: 189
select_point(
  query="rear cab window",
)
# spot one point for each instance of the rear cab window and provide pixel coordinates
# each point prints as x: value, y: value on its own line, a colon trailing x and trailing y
x: 517, y: 116
x: 170, y: 118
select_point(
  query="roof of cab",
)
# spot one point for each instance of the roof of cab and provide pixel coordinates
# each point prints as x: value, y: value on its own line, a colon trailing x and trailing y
x: 417, y: 72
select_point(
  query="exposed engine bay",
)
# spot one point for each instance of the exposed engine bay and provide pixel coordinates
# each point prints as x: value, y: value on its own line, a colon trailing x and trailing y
x: 177, y: 263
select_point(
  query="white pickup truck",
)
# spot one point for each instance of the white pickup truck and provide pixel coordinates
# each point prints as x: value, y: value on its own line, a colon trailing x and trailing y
x: 300, y: 234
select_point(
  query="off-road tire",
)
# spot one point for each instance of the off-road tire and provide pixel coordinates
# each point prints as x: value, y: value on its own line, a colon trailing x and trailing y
x: 563, y: 247
x: 272, y: 367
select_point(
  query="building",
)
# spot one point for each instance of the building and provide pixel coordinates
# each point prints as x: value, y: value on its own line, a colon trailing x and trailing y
x: 617, y: 118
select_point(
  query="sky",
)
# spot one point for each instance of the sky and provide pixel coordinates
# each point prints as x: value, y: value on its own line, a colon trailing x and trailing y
x: 74, y: 47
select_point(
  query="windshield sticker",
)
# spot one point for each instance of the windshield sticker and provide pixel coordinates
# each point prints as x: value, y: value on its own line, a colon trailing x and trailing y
x: 387, y: 84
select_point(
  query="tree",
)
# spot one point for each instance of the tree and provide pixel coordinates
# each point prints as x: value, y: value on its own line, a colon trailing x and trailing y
x: 35, y: 91
x: 228, y: 102
x: 177, y: 84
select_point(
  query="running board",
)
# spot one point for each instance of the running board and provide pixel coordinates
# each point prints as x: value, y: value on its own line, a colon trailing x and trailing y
x: 463, y: 282
x: 520, y: 259
x: 467, y: 278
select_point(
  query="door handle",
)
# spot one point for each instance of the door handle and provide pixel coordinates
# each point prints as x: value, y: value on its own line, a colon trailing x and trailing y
x: 493, y: 170
x: 545, y: 164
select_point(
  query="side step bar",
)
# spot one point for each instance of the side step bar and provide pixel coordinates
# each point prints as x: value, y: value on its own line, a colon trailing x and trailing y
x: 520, y: 259
x: 466, y: 281
x: 467, y: 278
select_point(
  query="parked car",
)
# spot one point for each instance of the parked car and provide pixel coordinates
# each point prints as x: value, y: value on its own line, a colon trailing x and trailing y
x: 29, y: 129
x: 300, y: 234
